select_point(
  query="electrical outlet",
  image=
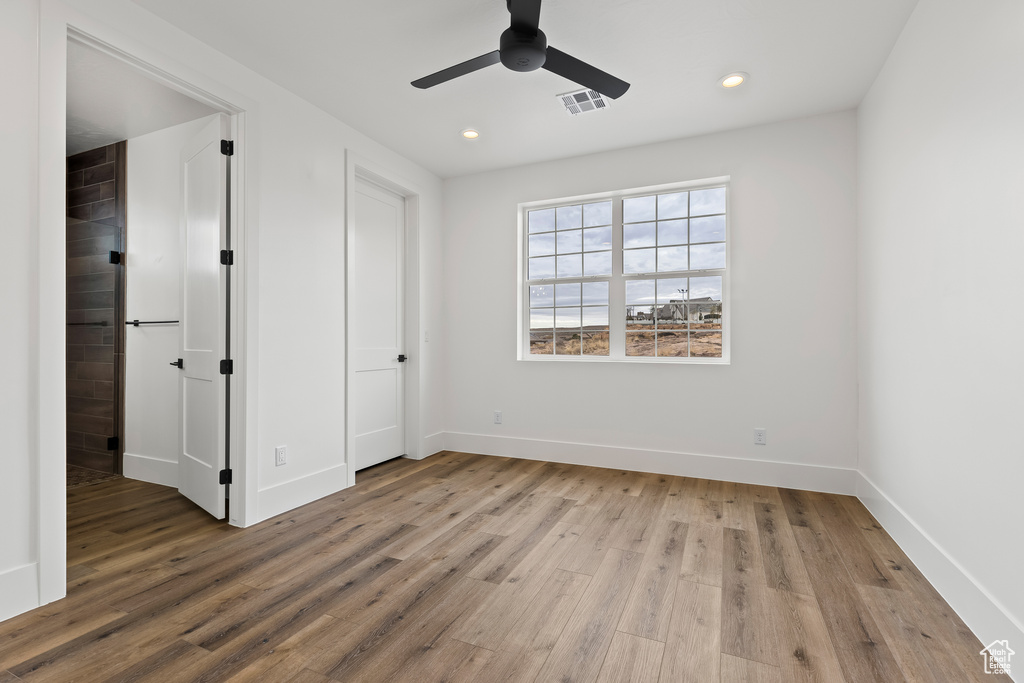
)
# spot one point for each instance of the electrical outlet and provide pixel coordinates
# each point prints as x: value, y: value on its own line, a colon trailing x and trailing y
x: 497, y: 417
x: 280, y: 456
x: 760, y: 436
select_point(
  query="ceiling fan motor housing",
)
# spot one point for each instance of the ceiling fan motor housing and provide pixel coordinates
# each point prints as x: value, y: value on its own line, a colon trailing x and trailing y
x: 522, y: 51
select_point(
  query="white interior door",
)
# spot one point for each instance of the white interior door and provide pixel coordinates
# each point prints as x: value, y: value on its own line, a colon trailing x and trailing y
x: 203, y: 319
x: 376, y: 316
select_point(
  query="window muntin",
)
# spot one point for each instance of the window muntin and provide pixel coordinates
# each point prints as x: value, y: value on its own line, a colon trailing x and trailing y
x: 668, y: 253
x: 674, y: 317
x: 569, y: 319
x: 674, y: 232
x: 570, y: 241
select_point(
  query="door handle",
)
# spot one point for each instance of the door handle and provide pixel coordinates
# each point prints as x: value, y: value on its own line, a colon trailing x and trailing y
x: 180, y: 364
x: 402, y: 358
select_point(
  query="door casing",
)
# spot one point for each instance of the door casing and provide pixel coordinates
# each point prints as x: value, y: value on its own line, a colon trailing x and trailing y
x: 59, y: 23
x: 378, y: 175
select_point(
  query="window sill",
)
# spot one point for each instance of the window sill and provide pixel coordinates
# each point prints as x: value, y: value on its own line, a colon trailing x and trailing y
x: 642, y: 360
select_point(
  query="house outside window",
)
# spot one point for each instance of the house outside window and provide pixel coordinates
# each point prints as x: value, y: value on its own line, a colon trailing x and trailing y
x: 639, y: 275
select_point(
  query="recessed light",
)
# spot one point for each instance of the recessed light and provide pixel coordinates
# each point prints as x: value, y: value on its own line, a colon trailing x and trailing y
x: 734, y: 79
x: 470, y: 134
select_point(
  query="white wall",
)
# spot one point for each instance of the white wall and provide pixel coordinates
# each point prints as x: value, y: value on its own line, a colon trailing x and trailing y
x: 793, y: 206
x: 153, y: 268
x: 18, y: 188
x: 940, y: 324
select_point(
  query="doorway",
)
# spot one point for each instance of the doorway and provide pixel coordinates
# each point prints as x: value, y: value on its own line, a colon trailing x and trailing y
x: 111, y: 107
x: 59, y: 26
x: 132, y: 293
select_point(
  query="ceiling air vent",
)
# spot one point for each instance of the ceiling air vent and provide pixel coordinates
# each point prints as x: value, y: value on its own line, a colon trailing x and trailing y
x: 583, y: 101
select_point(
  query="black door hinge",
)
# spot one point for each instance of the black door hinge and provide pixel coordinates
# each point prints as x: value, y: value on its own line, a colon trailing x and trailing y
x: 227, y: 367
x: 115, y: 257
x: 227, y: 147
x: 112, y: 443
x: 225, y: 476
x: 227, y: 257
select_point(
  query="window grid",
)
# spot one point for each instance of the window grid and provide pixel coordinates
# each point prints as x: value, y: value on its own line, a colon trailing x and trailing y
x: 677, y: 324
x: 665, y: 329
x: 570, y: 241
x: 569, y: 319
x: 657, y: 235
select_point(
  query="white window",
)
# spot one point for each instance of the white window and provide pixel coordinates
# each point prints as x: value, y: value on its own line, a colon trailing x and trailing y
x: 629, y: 276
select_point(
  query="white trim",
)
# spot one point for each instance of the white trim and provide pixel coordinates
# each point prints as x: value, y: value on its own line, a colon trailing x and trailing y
x: 373, y: 172
x: 722, y: 468
x: 432, y: 445
x: 281, y: 498
x: 686, y: 185
x: 51, y: 439
x: 19, y: 590
x: 153, y: 470
x: 983, y: 613
x: 159, y: 75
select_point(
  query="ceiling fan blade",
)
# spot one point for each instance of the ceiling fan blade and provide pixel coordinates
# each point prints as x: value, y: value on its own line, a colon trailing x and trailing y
x: 588, y: 76
x: 525, y: 14
x: 469, y: 66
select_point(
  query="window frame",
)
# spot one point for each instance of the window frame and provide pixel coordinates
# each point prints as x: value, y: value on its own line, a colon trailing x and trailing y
x: 617, y: 279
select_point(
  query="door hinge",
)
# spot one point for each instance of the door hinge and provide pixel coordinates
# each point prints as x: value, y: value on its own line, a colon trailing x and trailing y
x: 115, y: 257
x: 227, y: 367
x: 227, y: 147
x: 227, y: 257
x: 112, y: 443
x: 225, y: 476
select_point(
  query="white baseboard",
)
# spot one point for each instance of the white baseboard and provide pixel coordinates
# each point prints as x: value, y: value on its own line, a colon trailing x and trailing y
x: 980, y: 610
x: 19, y: 590
x: 276, y: 500
x: 153, y: 470
x: 432, y: 444
x: 740, y: 470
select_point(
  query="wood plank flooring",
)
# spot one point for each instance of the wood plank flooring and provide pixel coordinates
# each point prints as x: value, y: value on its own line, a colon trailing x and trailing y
x: 472, y: 568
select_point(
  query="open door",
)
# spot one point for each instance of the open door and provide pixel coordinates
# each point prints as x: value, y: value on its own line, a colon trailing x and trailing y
x: 203, y: 465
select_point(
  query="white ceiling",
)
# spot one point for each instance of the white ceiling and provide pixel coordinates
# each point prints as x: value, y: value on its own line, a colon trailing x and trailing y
x: 110, y: 101
x: 356, y: 59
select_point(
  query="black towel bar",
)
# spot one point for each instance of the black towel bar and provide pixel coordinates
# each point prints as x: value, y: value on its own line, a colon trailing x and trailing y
x: 136, y: 323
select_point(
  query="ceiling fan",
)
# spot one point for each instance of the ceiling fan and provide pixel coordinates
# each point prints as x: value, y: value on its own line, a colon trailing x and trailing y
x: 524, y: 47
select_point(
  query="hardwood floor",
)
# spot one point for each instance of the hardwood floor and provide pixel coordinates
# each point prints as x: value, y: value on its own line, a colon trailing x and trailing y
x: 472, y: 568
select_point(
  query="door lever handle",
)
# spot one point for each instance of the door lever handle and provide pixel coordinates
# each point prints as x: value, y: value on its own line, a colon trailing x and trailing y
x: 402, y: 358
x: 180, y: 364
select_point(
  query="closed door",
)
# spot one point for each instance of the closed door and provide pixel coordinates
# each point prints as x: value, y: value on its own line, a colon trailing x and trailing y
x: 203, y: 320
x: 376, y: 324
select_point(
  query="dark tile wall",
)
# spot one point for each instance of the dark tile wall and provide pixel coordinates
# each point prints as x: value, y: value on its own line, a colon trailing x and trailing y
x: 95, y: 306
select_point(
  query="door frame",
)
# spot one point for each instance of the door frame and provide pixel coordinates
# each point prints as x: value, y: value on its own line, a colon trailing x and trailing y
x: 356, y: 166
x: 58, y: 24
